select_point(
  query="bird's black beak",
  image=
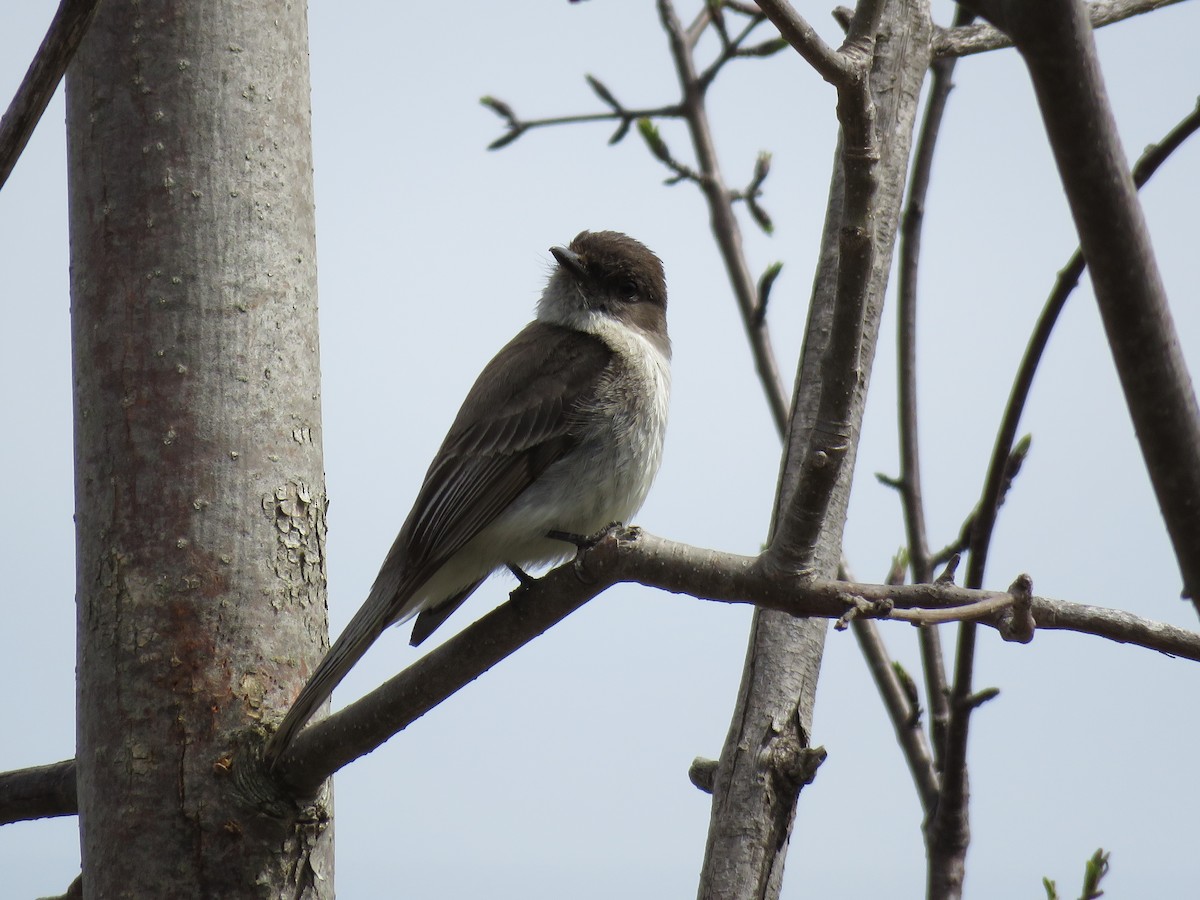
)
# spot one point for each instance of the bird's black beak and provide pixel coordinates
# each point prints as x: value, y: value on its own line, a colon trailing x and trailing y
x: 569, y: 260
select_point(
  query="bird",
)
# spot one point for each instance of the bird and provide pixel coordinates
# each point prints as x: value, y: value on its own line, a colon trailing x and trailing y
x: 562, y: 432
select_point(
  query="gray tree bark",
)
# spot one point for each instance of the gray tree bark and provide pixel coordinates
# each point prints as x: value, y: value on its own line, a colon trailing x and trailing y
x: 200, y: 500
x: 754, y: 796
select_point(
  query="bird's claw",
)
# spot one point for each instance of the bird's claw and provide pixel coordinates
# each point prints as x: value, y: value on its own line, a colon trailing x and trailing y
x: 521, y: 575
x: 586, y: 542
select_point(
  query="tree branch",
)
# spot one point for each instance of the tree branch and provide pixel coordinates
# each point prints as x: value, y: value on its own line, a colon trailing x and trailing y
x: 971, y: 39
x: 725, y: 226
x: 903, y: 712
x: 793, y: 545
x: 1055, y: 40
x: 829, y: 63
x: 949, y: 832
x: 983, y: 520
x: 623, y: 555
x: 932, y: 662
x: 40, y: 792
x: 633, y: 555
x: 751, y: 817
x: 67, y: 28
x: 707, y: 174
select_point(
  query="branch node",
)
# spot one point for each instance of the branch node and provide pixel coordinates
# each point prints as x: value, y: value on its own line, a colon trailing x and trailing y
x: 1016, y: 623
x: 947, y: 576
x: 765, y: 283
x: 977, y: 699
x: 890, y: 481
x: 703, y: 773
x: 861, y: 607
x: 792, y: 764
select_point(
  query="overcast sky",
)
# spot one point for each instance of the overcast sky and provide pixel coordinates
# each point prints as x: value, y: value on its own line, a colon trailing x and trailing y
x: 562, y: 773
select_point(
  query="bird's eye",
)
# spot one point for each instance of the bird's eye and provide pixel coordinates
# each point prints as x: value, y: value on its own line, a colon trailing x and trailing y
x: 629, y: 290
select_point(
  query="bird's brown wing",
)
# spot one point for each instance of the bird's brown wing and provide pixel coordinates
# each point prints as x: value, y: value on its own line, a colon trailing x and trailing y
x: 516, y: 421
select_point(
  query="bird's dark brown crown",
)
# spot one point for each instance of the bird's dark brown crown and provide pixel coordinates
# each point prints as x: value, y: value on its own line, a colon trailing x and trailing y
x: 621, y: 266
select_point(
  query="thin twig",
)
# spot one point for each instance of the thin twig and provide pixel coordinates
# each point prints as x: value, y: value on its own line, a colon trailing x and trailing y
x: 984, y: 520
x: 706, y: 175
x: 968, y: 613
x: 735, y: 48
x: 932, y: 662
x: 900, y: 703
x: 901, y: 711
x: 516, y: 126
x: 725, y: 226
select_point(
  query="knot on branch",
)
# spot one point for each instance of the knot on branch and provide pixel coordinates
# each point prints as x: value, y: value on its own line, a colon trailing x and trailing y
x: 861, y: 607
x: 703, y: 773
x: 790, y: 764
x: 1016, y: 623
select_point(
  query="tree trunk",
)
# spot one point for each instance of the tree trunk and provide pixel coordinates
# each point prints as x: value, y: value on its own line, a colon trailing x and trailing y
x: 200, y: 500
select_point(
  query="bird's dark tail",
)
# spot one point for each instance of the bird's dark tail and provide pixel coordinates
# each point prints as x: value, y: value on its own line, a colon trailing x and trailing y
x: 368, y: 623
x: 430, y: 619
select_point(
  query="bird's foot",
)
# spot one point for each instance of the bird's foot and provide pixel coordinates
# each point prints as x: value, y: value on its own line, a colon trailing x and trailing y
x: 586, y: 542
x: 521, y: 575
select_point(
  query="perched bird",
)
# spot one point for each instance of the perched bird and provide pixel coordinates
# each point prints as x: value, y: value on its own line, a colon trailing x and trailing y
x: 562, y: 431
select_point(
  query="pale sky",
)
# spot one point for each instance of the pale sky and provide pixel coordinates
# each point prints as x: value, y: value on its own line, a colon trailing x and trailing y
x: 563, y: 772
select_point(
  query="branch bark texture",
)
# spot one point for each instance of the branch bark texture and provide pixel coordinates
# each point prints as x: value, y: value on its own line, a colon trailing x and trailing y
x: 200, y: 501
x: 753, y: 803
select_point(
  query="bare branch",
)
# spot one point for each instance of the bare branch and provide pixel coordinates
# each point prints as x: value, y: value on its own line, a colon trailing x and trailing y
x: 794, y: 540
x: 902, y: 711
x: 624, y: 555
x: 1005, y: 457
x: 725, y: 226
x: 707, y: 173
x: 67, y: 28
x: 829, y: 63
x: 909, y: 483
x: 626, y: 117
x: 1059, y: 50
x: 41, y: 792
x: 632, y: 555
x: 971, y: 39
